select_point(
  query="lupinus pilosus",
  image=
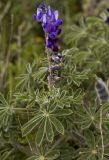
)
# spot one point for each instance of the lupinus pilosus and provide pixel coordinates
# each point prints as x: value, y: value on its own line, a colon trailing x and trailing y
x: 51, y: 26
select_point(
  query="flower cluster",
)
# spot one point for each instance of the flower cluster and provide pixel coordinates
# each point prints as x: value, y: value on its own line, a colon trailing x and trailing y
x: 52, y: 28
x: 107, y: 20
x: 51, y: 25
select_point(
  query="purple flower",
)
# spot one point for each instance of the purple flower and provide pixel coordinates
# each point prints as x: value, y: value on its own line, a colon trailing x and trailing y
x: 50, y: 24
x: 51, y: 43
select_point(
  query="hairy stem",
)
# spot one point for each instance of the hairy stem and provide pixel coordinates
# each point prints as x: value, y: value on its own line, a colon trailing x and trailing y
x: 101, y: 131
x: 49, y: 66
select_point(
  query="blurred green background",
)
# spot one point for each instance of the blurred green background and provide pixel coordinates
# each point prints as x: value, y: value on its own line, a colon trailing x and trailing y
x: 22, y: 39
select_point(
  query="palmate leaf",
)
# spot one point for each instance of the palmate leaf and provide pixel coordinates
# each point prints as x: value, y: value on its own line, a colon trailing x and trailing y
x: 83, y: 120
x: 86, y: 117
x: 44, y: 121
x: 78, y: 33
x: 30, y: 125
x: 92, y: 149
x: 74, y: 76
x: 57, y: 124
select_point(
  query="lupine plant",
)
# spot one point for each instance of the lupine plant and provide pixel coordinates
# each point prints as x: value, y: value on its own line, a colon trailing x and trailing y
x: 59, y: 109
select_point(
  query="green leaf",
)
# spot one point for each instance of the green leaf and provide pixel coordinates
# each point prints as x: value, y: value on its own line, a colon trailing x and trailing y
x: 24, y: 82
x: 86, y: 124
x: 6, y: 119
x: 6, y: 154
x: 53, y: 155
x: 57, y: 124
x: 40, y: 133
x: 40, y: 73
x: 49, y: 131
x: 63, y: 112
x: 90, y: 139
x: 3, y: 100
x: 2, y: 119
x: 30, y: 125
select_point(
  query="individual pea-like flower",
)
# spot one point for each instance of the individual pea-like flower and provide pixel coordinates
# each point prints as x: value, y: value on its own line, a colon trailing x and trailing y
x: 50, y: 24
x: 55, y: 67
x: 56, y: 57
x: 107, y: 19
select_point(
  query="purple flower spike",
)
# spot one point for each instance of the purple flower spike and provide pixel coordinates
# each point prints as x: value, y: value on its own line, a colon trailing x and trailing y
x: 51, y: 25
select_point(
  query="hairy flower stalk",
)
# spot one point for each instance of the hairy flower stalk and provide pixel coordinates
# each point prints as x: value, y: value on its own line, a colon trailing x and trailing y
x: 51, y: 26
